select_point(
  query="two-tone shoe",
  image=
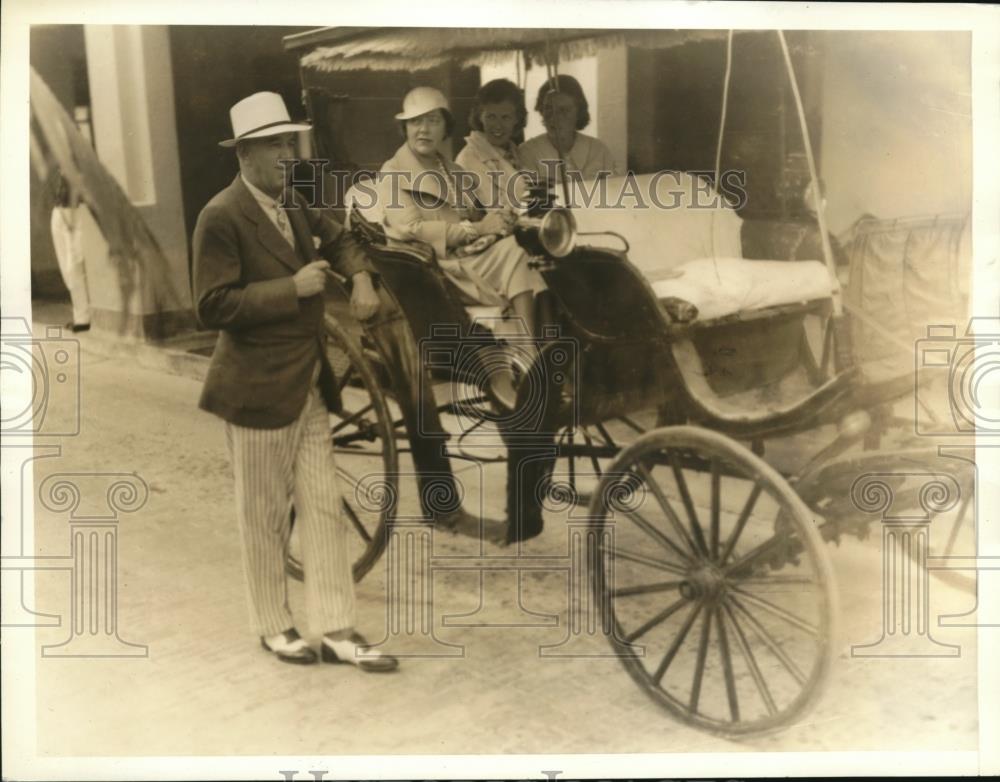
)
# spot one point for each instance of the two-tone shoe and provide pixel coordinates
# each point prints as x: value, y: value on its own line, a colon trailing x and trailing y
x: 289, y: 647
x: 357, y: 651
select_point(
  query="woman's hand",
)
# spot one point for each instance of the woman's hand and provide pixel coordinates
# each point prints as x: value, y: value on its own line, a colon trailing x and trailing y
x: 494, y: 223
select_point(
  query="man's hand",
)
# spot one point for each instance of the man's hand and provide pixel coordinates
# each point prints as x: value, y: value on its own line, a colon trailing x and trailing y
x: 310, y: 279
x: 364, y: 300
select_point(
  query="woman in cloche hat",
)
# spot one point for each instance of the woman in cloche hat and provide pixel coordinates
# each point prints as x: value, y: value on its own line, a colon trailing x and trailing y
x: 422, y: 202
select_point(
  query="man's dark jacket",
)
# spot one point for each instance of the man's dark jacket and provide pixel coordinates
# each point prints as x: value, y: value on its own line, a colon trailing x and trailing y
x: 269, y: 339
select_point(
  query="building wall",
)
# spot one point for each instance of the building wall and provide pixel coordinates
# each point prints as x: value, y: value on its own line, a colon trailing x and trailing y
x: 130, y: 73
x: 213, y: 68
x: 675, y: 112
x: 897, y: 124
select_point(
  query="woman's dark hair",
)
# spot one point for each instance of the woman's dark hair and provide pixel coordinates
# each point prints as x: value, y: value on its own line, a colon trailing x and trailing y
x: 449, y: 123
x: 571, y: 87
x: 500, y: 91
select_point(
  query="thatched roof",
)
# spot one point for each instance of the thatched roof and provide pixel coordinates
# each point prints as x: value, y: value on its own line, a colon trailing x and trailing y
x: 423, y: 48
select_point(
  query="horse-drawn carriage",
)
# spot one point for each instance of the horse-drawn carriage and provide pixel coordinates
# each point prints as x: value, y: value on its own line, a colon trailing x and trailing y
x: 706, y: 562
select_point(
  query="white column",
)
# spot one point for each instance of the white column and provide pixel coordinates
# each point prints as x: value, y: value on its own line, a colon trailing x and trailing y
x: 611, y: 106
x: 135, y: 135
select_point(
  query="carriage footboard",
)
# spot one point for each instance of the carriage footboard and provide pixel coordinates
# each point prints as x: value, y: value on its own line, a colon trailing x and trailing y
x: 768, y: 416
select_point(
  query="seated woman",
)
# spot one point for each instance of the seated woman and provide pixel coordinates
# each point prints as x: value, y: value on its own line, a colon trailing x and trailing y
x: 422, y: 201
x: 497, y: 119
x: 565, y: 113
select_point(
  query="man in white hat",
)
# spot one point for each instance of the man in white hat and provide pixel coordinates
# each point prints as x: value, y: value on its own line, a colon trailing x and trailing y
x: 261, y: 261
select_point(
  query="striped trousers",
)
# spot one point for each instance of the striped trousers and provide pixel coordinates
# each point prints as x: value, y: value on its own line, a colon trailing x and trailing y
x: 272, y: 467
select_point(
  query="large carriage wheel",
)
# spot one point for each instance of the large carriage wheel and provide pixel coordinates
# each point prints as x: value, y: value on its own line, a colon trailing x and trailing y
x: 364, y: 447
x: 712, y: 581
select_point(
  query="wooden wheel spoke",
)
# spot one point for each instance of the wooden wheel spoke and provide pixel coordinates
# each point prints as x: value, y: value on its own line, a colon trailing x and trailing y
x: 641, y: 559
x: 727, y: 667
x: 355, y: 450
x: 716, y: 507
x: 777, y: 611
x: 645, y: 589
x: 741, y: 522
x: 957, y: 523
x: 347, y: 475
x: 342, y: 383
x: 682, y: 487
x: 661, y: 617
x: 608, y: 440
x: 632, y: 424
x: 769, y: 641
x: 668, y: 510
x: 356, y: 522
x: 775, y: 579
x: 593, y: 459
x: 699, y: 669
x: 352, y: 418
x: 651, y: 530
x: 668, y: 658
x: 756, y: 553
x: 751, y: 661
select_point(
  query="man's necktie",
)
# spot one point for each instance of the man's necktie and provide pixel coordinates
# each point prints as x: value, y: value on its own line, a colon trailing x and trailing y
x: 283, y: 225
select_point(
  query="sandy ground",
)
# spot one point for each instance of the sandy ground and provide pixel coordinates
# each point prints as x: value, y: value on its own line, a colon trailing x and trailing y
x: 206, y: 688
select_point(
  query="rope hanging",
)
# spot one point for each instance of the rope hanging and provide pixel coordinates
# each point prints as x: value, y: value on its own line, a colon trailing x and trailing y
x: 552, y: 72
x: 838, y: 306
x: 718, y: 148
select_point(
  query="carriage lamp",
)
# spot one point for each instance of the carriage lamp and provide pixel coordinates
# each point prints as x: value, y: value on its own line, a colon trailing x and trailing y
x: 552, y: 234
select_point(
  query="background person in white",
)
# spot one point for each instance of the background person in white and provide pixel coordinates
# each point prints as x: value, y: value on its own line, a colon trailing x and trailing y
x: 258, y: 280
x: 67, y: 236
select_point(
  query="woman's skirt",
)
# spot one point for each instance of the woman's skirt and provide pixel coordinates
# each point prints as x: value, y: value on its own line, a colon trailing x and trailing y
x: 496, y: 275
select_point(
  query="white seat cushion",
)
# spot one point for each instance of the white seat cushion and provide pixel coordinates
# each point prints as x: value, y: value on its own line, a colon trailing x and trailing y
x: 725, y: 286
x: 682, y: 223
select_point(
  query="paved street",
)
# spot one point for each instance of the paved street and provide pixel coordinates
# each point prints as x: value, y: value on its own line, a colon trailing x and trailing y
x: 206, y: 687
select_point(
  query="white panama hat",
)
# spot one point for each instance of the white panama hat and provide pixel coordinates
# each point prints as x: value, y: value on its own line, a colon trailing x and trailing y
x: 422, y: 100
x: 262, y: 114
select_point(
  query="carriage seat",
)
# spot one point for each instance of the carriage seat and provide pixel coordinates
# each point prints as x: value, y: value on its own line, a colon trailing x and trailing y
x: 727, y: 286
x: 368, y: 225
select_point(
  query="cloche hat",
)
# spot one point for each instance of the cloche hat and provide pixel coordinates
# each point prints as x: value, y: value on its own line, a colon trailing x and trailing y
x: 420, y: 101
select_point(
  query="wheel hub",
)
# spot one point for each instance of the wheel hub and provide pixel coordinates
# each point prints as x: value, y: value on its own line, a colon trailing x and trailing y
x: 703, y: 582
